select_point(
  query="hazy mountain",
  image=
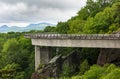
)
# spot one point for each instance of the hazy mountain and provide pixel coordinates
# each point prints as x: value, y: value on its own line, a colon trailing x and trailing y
x: 39, y: 26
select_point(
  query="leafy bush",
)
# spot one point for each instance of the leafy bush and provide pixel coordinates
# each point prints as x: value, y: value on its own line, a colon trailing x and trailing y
x: 66, y: 70
x: 98, y: 72
x: 84, y: 67
x: 106, y: 72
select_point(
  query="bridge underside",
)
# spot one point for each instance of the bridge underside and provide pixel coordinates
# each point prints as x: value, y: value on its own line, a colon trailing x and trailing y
x: 77, y: 43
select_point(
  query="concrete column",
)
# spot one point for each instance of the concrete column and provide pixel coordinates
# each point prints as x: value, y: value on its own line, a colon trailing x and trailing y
x: 42, y: 56
x: 37, y: 57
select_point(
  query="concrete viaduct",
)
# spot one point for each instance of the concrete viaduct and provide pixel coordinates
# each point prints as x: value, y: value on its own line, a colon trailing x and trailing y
x: 43, y: 41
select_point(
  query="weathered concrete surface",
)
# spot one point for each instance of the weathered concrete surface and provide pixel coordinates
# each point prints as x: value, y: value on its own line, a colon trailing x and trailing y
x: 42, y: 56
x: 37, y: 57
x: 95, y: 43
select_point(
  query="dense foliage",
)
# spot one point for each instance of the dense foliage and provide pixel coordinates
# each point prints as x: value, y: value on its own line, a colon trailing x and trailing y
x: 16, y: 56
x: 100, y: 16
x: 98, y: 72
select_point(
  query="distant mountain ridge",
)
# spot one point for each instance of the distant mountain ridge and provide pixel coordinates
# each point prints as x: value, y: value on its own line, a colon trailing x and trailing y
x: 38, y: 26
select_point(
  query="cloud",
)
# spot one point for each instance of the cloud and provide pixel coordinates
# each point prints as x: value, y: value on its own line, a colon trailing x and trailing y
x: 50, y: 3
x: 27, y: 11
x: 10, y: 12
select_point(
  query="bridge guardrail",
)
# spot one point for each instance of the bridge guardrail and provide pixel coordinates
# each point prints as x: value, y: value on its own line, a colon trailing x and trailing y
x: 73, y: 36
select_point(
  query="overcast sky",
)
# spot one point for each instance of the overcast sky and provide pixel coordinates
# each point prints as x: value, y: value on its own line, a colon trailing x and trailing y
x: 23, y: 12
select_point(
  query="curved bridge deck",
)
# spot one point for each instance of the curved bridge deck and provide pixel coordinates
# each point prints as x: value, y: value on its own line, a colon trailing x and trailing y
x: 76, y: 40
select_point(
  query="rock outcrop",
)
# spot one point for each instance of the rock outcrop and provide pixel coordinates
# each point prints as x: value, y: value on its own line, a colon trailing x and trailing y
x: 54, y: 67
x: 109, y: 56
x: 51, y: 69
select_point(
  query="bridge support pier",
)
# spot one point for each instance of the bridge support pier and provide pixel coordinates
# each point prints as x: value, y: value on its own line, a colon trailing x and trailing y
x: 42, y: 56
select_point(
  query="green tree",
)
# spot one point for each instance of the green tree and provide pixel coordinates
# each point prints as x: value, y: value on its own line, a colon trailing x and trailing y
x: 94, y: 72
x: 76, y: 26
x: 62, y: 27
x: 12, y: 71
x: 10, y: 51
x: 84, y: 66
x: 50, y: 29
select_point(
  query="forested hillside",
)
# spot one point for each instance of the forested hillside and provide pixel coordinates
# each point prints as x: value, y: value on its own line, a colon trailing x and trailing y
x: 16, y: 56
x: 99, y: 17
